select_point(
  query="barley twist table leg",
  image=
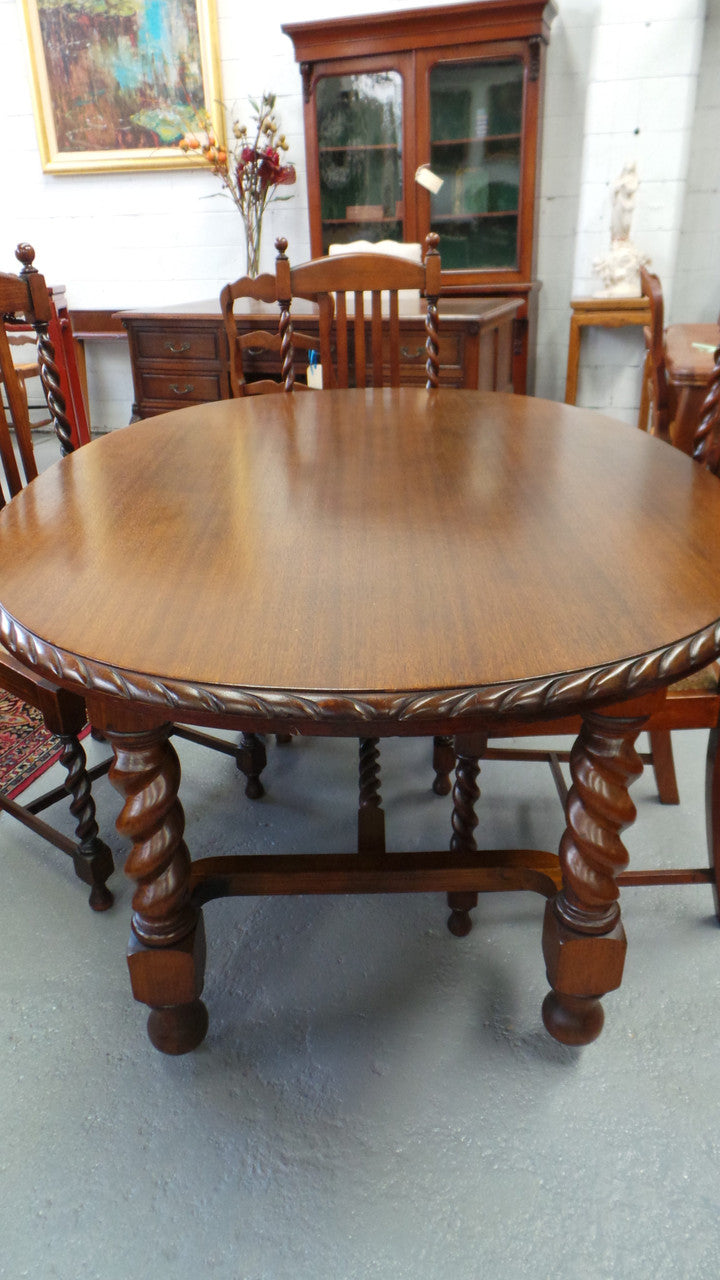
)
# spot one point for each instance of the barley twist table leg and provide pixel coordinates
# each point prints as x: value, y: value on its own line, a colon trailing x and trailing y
x: 166, y: 954
x: 583, y: 938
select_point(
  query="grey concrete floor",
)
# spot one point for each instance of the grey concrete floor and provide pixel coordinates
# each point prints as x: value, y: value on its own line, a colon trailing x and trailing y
x: 375, y: 1100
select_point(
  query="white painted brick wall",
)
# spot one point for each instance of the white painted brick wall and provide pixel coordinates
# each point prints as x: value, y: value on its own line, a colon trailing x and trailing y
x: 125, y: 240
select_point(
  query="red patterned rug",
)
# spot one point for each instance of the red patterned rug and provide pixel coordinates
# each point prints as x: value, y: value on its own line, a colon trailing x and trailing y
x: 26, y: 747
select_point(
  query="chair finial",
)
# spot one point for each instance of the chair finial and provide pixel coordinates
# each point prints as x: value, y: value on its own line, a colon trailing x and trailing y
x: 281, y: 245
x: 26, y: 254
x: 432, y: 241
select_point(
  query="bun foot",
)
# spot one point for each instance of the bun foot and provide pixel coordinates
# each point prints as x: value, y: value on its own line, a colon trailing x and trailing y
x: 573, y: 1020
x: 460, y: 921
x: 101, y: 899
x: 178, y: 1028
x: 254, y: 789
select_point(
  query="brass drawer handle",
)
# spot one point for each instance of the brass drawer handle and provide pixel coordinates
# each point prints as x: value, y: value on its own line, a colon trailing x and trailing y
x: 182, y: 391
x: 177, y: 351
x: 412, y: 355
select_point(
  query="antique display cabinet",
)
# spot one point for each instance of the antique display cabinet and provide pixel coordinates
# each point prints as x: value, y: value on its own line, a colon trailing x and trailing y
x: 394, y: 102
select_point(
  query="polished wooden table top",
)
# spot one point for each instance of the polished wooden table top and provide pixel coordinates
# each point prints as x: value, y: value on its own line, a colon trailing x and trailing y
x: 388, y: 555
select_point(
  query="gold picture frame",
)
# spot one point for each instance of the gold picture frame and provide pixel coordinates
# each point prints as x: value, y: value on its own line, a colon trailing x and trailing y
x: 115, y: 82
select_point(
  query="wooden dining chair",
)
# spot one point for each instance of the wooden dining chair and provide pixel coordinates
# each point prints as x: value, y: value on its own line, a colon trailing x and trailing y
x: 655, y: 373
x: 257, y: 296
x: 24, y: 300
x: 20, y: 339
x: 693, y: 703
x: 357, y: 298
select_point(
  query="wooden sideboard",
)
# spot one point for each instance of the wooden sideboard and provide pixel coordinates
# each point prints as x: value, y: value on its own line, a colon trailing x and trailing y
x: 179, y: 356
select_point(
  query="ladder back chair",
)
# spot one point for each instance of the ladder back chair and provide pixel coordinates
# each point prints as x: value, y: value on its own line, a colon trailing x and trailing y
x: 655, y: 373
x: 357, y: 297
x: 26, y: 370
x: 256, y: 294
x: 25, y: 300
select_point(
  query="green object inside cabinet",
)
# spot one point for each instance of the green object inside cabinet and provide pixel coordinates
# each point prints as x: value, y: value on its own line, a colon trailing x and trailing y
x: 475, y: 122
x: 359, y: 132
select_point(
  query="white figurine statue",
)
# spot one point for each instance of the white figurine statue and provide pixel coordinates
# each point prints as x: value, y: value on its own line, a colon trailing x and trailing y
x: 619, y: 270
x: 623, y: 206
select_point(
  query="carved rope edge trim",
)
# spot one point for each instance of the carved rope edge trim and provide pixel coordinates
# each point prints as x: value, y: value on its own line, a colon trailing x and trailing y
x: 547, y: 697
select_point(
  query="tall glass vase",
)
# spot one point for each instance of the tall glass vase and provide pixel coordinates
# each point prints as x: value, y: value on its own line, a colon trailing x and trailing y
x: 253, y: 233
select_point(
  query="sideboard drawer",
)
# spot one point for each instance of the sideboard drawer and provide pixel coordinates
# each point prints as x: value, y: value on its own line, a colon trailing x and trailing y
x: 184, y: 387
x: 185, y: 344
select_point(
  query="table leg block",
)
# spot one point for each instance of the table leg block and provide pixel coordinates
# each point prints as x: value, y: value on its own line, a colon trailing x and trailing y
x: 170, y: 980
x: 580, y: 968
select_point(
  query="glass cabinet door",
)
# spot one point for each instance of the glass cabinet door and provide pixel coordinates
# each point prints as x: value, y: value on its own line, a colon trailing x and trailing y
x: 359, y: 137
x: 475, y: 137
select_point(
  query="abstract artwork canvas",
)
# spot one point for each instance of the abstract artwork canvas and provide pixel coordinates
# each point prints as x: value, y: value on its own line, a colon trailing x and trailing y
x: 118, y: 82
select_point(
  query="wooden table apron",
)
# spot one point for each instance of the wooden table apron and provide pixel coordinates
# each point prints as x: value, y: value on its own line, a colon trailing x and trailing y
x: 369, y: 564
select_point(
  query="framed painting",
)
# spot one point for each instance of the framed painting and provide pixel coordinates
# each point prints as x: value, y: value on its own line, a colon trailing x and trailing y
x: 116, y: 83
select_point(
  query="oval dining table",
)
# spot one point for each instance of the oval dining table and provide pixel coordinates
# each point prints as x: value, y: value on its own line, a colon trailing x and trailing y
x: 369, y: 564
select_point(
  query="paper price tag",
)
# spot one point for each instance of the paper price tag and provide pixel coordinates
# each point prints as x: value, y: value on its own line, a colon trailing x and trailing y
x: 425, y: 177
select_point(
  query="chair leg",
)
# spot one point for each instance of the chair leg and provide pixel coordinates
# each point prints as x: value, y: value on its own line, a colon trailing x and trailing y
x: 712, y: 810
x: 371, y: 818
x: 664, y: 765
x: 251, y: 760
x: 466, y: 793
x: 443, y: 764
x: 93, y: 860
